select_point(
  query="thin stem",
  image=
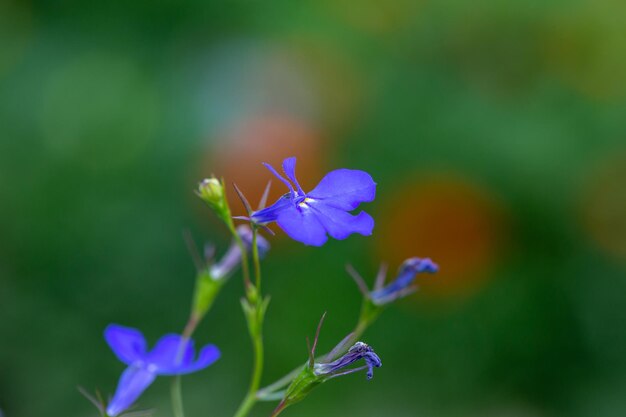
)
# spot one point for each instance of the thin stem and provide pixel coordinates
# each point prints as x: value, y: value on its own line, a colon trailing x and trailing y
x: 284, y: 381
x: 190, y: 327
x: 360, y: 328
x: 177, y: 398
x: 279, y: 409
x: 251, y: 397
x: 256, y: 260
x: 256, y: 334
x: 358, y: 331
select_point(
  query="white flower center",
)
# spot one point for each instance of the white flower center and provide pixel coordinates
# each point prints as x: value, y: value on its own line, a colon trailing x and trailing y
x: 305, y: 203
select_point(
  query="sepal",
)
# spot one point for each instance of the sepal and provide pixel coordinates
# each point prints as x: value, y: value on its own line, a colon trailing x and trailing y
x: 205, y: 292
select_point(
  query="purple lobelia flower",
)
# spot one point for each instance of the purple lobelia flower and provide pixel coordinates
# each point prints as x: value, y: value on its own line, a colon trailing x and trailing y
x: 309, y: 216
x: 402, y: 285
x: 358, y: 351
x: 399, y: 287
x: 330, y: 366
x: 172, y: 355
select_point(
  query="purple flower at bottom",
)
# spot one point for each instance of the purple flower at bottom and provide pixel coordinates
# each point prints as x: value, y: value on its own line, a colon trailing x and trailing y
x: 358, y: 351
x: 172, y: 355
x: 309, y: 217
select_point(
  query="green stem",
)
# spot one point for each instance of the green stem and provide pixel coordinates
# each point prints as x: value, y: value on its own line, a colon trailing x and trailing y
x: 281, y: 407
x: 190, y: 327
x: 256, y: 334
x: 251, y: 398
x: 366, y: 318
x: 177, y: 398
x: 256, y: 260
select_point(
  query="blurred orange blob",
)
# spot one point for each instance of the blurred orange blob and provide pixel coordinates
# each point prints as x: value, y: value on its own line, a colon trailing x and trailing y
x: 604, y: 206
x: 238, y: 157
x: 455, y: 223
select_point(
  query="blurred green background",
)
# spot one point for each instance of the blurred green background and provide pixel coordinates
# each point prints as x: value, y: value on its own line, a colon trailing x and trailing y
x: 496, y: 132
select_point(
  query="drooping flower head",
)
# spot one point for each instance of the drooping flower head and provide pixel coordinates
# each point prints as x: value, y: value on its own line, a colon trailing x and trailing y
x: 309, y: 216
x: 400, y: 287
x: 330, y: 366
x: 358, y: 351
x: 172, y: 355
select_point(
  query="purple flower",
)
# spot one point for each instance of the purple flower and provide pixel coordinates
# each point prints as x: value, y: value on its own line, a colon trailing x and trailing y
x: 402, y: 284
x: 398, y: 288
x: 358, y: 351
x: 309, y: 217
x: 172, y: 355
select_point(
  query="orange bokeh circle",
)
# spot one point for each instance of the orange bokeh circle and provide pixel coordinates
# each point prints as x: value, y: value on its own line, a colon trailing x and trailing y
x: 457, y: 224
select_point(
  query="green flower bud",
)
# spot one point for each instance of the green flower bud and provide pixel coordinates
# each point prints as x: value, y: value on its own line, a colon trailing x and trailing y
x: 205, y: 292
x: 211, y: 191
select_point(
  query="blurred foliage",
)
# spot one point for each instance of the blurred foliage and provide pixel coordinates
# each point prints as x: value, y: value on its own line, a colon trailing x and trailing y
x: 494, y: 129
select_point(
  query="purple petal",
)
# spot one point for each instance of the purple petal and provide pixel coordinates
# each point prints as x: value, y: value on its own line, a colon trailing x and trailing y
x: 280, y: 177
x: 302, y: 225
x: 373, y: 361
x: 208, y: 355
x: 128, y: 344
x: 341, y: 224
x: 270, y: 214
x: 345, y: 189
x: 289, y: 166
x: 170, y: 353
x: 405, y: 278
x: 132, y: 384
x: 358, y: 351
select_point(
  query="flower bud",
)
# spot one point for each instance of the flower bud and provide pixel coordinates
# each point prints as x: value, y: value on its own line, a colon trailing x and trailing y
x: 211, y: 191
x: 209, y: 281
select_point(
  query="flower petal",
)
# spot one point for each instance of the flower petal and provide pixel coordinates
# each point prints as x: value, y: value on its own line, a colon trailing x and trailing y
x: 208, y: 355
x: 128, y: 344
x: 280, y: 177
x: 406, y: 275
x: 373, y: 361
x: 302, y: 225
x: 341, y: 224
x: 345, y: 189
x: 170, y: 353
x: 270, y: 214
x: 289, y: 166
x: 132, y: 384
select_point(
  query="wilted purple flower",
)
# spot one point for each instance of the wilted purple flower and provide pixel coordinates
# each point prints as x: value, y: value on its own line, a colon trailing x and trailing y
x: 172, y: 355
x: 309, y: 217
x: 232, y: 258
x: 398, y: 288
x: 402, y: 284
x: 358, y: 351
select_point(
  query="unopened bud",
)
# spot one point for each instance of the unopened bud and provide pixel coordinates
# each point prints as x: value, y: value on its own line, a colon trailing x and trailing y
x: 211, y: 191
